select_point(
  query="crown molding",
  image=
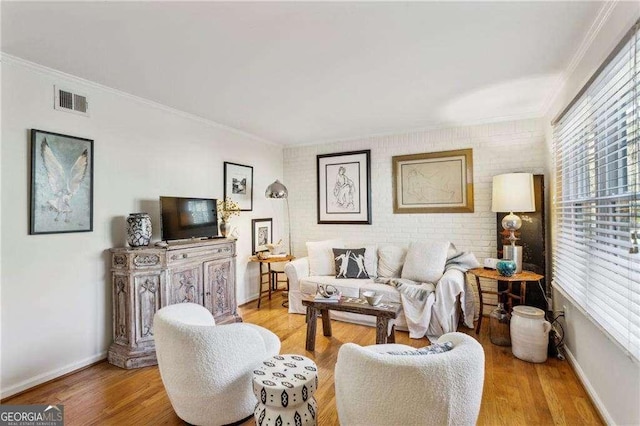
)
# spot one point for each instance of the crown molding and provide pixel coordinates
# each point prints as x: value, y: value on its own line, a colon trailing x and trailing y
x: 8, y: 59
x: 596, y: 26
x: 534, y: 115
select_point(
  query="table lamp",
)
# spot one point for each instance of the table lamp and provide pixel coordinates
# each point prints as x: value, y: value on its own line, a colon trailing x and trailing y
x: 278, y: 191
x: 513, y: 192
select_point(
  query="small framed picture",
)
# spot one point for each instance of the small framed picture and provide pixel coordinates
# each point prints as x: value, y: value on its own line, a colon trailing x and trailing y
x: 238, y: 184
x: 262, y: 234
x: 61, y: 183
x: 344, y: 188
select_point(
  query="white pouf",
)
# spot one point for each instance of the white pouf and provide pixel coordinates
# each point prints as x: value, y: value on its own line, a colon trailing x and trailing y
x: 284, y: 386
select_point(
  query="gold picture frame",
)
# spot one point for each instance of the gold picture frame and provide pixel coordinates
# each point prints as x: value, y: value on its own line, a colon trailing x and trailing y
x: 433, y: 182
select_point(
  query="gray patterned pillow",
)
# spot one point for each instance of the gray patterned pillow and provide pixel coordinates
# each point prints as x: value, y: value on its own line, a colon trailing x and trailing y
x: 350, y: 263
x: 436, y: 348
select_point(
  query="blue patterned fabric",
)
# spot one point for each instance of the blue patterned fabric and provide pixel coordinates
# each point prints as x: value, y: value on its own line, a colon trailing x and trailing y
x: 436, y: 348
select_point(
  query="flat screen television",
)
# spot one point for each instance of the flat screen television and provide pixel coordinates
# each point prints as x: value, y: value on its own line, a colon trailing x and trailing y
x: 183, y: 218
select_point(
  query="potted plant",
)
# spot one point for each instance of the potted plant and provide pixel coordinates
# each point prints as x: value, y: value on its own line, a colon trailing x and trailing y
x: 227, y: 209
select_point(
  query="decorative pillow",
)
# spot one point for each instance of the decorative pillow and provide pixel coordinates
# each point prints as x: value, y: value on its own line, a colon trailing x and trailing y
x: 321, y: 257
x: 425, y: 261
x: 436, y: 348
x: 350, y: 263
x: 370, y: 258
x: 390, y: 260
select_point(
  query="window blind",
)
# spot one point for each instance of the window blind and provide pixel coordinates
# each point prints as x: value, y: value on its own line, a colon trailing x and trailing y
x: 596, y: 204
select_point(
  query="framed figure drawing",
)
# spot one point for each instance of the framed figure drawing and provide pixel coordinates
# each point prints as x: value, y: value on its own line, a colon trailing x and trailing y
x: 261, y: 235
x: 344, y: 188
x: 434, y: 182
x: 238, y: 184
x: 61, y: 183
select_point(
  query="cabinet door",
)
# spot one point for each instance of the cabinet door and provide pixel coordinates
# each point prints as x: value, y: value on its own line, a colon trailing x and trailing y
x: 121, y: 308
x: 146, y: 303
x: 219, y: 294
x: 185, y: 285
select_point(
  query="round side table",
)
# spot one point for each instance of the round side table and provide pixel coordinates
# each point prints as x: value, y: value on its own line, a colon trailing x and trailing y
x: 284, y: 386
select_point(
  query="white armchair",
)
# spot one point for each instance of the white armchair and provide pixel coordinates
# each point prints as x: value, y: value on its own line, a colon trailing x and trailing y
x: 377, y: 388
x: 207, y: 369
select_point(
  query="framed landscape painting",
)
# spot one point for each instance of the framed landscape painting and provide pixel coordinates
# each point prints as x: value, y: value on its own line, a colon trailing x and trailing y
x: 238, y: 184
x: 262, y: 234
x: 344, y: 188
x: 434, y: 182
x: 61, y: 183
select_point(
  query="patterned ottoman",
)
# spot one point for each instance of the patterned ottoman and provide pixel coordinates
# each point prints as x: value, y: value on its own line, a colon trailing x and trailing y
x: 284, y: 386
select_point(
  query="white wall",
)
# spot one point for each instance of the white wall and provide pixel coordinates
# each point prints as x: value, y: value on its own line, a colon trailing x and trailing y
x: 56, y: 303
x: 497, y: 148
x: 609, y: 375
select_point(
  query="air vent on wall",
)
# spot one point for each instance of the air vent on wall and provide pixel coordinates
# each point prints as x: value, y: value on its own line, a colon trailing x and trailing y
x: 66, y: 100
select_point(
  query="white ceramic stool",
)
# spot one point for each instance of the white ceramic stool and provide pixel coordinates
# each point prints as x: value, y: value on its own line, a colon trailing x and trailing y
x: 284, y: 386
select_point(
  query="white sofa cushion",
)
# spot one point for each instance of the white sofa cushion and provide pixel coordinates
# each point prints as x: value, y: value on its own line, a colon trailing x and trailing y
x: 390, y: 260
x: 321, y: 256
x: 425, y: 262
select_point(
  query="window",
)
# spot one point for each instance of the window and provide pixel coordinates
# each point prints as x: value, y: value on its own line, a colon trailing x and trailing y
x: 596, y: 206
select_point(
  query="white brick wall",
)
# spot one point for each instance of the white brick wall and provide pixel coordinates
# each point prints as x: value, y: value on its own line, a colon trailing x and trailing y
x: 513, y: 146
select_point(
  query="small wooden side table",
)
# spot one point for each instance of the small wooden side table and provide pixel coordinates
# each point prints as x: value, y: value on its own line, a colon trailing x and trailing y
x: 524, y: 277
x: 268, y: 261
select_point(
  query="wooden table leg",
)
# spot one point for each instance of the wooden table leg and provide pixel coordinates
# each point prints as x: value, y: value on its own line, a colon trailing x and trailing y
x: 481, y: 305
x: 326, y: 322
x: 509, y: 299
x: 259, y: 283
x: 392, y: 335
x: 269, y: 278
x: 312, y: 319
x: 523, y: 292
x: 382, y: 325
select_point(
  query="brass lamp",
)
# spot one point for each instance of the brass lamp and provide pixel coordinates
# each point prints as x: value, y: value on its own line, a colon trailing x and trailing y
x: 513, y: 192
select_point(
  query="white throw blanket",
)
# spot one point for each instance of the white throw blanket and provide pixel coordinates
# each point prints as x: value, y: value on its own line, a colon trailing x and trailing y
x: 429, y: 308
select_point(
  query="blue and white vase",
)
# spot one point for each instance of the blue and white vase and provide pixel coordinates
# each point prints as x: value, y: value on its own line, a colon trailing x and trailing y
x: 138, y: 229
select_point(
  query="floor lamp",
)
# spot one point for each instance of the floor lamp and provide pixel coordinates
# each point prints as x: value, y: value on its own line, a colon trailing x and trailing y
x: 513, y: 192
x: 278, y: 191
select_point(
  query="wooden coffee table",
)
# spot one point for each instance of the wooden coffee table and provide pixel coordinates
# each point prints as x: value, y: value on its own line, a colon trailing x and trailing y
x: 383, y: 313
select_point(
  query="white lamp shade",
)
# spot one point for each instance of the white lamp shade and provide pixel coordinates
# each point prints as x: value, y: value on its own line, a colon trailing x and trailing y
x: 513, y: 192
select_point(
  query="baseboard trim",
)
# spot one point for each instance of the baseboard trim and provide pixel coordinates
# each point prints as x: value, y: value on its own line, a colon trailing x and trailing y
x: 595, y: 399
x: 51, y: 375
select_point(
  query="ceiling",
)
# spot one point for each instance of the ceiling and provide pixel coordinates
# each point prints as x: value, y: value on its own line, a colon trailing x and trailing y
x: 310, y: 72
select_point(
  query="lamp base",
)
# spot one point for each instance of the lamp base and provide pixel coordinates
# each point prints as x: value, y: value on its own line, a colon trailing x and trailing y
x: 513, y: 253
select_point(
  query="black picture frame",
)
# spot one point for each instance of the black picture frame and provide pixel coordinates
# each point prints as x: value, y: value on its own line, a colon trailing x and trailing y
x: 238, y: 184
x: 261, y: 234
x: 344, y: 188
x: 61, y: 198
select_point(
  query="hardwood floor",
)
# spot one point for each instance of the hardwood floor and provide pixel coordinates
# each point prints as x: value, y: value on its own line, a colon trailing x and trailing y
x: 515, y: 392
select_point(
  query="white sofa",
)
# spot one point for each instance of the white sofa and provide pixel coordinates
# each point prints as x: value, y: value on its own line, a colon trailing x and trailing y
x: 375, y: 388
x: 452, y: 296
